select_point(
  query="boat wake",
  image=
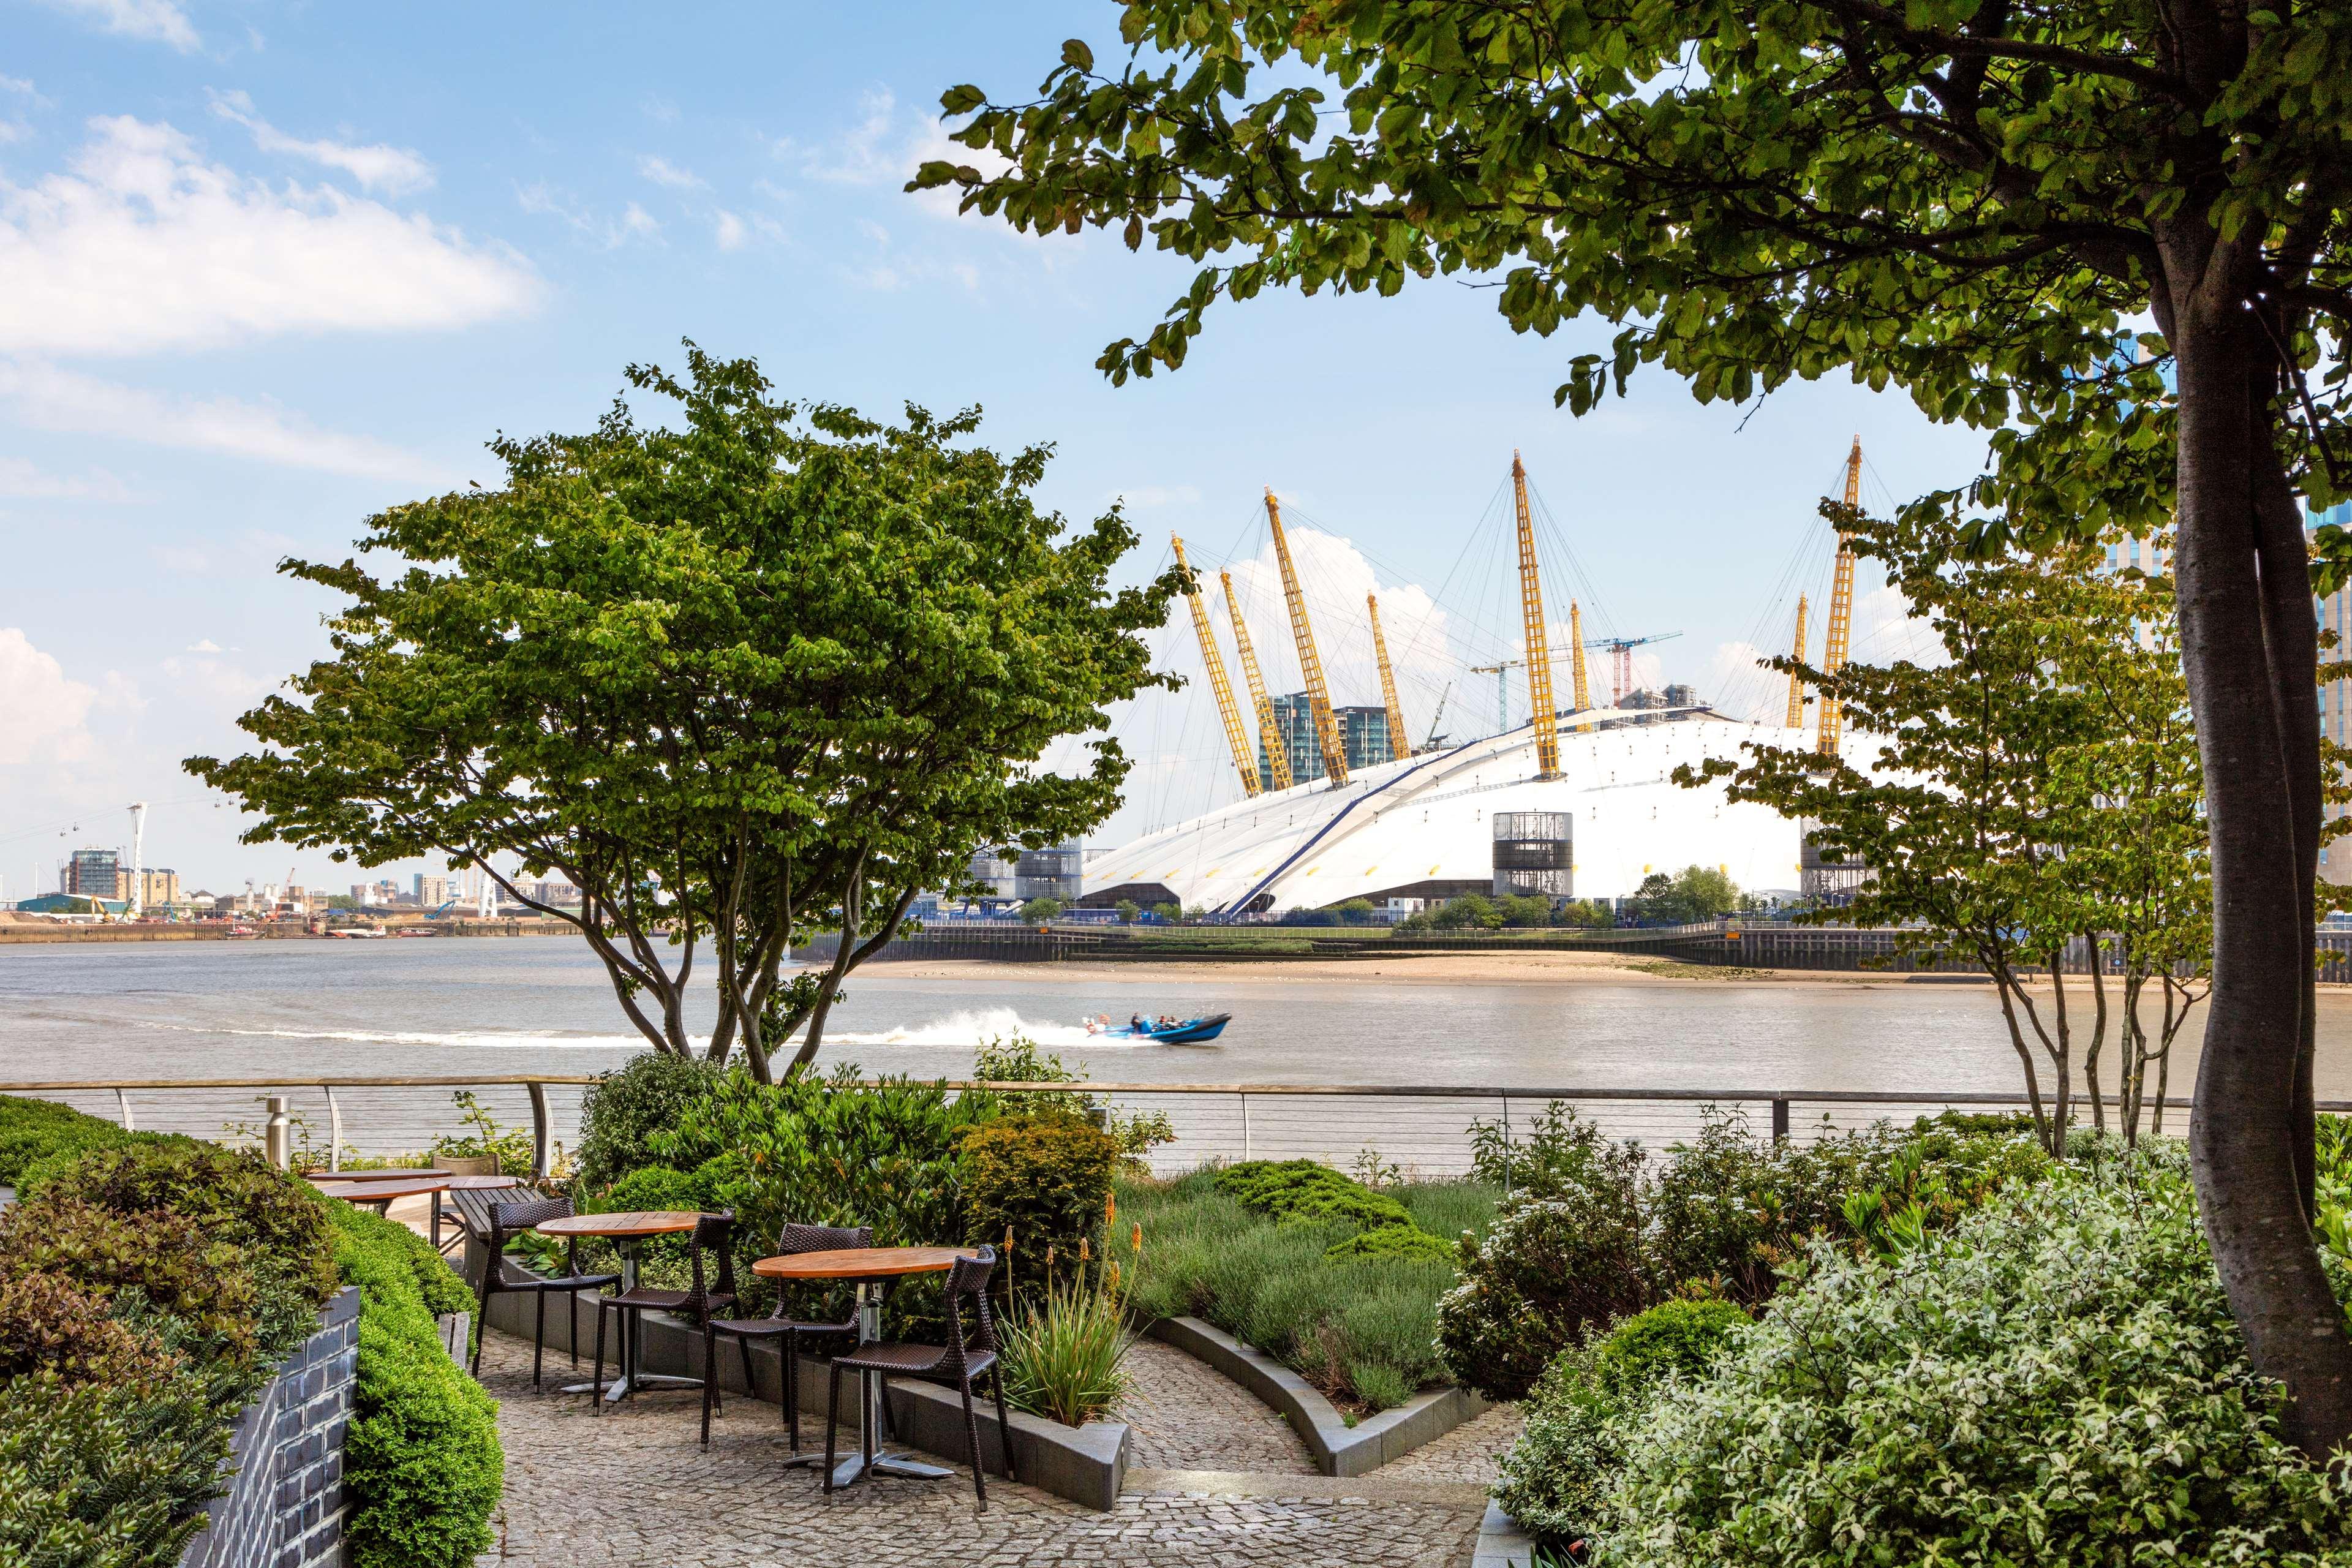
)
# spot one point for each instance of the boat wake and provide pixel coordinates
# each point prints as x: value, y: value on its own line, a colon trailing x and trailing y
x: 972, y: 1029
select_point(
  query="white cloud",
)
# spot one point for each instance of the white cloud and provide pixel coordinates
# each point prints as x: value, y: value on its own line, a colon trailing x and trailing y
x: 730, y: 231
x: 21, y: 86
x: 662, y: 172
x: 151, y: 21
x: 145, y: 246
x: 860, y: 155
x: 52, y: 399
x: 214, y: 679
x: 660, y: 111
x: 635, y: 222
x: 48, y: 714
x: 204, y: 645
x: 179, y: 558
x: 21, y: 479
x: 377, y: 167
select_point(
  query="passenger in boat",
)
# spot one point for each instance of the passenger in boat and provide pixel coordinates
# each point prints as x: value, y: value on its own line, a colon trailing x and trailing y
x: 1134, y: 1023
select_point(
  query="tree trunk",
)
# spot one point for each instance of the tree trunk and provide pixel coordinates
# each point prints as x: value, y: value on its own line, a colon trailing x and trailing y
x: 2096, y: 945
x: 2240, y: 640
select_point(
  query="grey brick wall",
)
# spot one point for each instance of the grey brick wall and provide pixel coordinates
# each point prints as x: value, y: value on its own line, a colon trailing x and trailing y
x: 285, y: 1506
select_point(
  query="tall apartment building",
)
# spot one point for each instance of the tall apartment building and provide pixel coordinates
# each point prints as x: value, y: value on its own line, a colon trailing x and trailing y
x: 2334, y: 615
x: 432, y: 892
x: 1363, y: 738
x: 97, y: 874
x: 158, y: 887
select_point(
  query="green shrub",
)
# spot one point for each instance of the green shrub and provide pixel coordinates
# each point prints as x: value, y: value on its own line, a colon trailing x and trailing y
x: 825, y: 1151
x: 1038, y: 1187
x: 106, y: 1474
x: 203, y: 1282
x: 1016, y: 1059
x: 1446, y: 1209
x: 1549, y: 1272
x: 421, y: 1460
x: 2056, y: 1379
x: 52, y: 1327
x: 623, y: 1110
x: 32, y: 1130
x: 1553, y: 1155
x: 1554, y: 1478
x: 1393, y: 1241
x: 227, y: 1193
x: 1303, y: 1190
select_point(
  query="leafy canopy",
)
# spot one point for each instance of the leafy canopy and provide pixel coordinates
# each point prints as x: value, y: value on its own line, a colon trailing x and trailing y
x: 1957, y: 197
x: 771, y: 671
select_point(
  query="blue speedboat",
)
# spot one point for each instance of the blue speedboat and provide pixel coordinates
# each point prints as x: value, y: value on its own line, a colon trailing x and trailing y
x: 1186, y: 1032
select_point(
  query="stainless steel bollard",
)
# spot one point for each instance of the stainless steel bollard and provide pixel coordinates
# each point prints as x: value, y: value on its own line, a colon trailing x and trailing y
x: 278, y: 1139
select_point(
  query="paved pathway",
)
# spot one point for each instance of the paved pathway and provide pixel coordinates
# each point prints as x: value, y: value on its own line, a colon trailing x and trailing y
x: 1185, y: 1416
x: 633, y: 1487
x: 1468, y: 1453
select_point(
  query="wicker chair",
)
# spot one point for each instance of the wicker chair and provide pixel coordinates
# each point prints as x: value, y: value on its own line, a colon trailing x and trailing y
x: 713, y: 1234
x: 502, y: 1222
x: 965, y: 1356
x: 794, y: 1240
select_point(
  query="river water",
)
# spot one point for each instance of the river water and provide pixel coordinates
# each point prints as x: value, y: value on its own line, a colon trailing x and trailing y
x: 304, y: 1011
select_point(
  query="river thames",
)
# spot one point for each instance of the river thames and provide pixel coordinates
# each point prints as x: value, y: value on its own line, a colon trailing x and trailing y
x: 301, y: 1012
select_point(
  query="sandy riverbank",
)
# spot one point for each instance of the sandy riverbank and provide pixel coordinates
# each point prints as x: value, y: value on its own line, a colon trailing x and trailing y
x: 1524, y: 968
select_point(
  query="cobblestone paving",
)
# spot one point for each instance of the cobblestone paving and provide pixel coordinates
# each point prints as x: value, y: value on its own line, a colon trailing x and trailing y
x: 634, y: 1488
x: 1185, y: 1416
x: 1468, y: 1453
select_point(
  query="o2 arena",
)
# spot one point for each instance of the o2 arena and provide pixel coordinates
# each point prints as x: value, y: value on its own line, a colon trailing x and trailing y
x: 1577, y: 801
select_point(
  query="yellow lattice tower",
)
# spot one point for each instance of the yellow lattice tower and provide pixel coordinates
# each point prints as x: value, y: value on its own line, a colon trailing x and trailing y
x: 1311, y: 666
x: 1235, y: 736
x: 1841, y: 628
x: 1576, y: 663
x: 1796, y: 682
x: 1540, y: 703
x: 1399, y: 744
x: 1277, y: 755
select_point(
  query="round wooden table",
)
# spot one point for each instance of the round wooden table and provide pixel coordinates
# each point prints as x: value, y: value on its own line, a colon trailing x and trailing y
x: 626, y: 1232
x: 868, y: 1267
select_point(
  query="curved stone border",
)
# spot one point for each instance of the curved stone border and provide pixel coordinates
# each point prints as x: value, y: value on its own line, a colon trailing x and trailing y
x: 1338, y: 1448
x: 1501, y: 1542
x: 1087, y: 1464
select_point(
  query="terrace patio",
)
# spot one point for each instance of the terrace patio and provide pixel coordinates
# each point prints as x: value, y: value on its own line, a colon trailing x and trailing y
x: 1218, y: 1478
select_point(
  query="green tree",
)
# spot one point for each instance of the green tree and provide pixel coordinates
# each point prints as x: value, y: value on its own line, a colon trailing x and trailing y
x: 1524, y: 910
x: 1170, y: 913
x: 1128, y: 910
x: 1961, y: 199
x: 770, y: 673
x: 2018, y: 804
x: 1037, y: 912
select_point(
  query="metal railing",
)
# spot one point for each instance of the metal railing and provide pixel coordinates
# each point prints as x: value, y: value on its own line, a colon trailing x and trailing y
x: 1424, y: 1128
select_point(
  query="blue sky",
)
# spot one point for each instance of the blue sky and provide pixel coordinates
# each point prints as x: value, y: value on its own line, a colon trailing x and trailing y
x: 266, y: 268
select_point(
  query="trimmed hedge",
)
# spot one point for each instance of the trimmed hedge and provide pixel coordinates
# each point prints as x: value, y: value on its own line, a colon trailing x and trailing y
x: 32, y: 1130
x: 147, y: 1286
x: 1044, y: 1180
x: 1302, y: 1191
x: 423, y: 1458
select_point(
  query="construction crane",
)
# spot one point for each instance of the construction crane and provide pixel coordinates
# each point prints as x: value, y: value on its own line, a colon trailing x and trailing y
x: 1621, y: 653
x: 1438, y: 719
x: 1318, y: 696
x: 1841, y: 628
x: 1277, y: 754
x: 1576, y: 641
x: 1540, y: 713
x: 1502, y: 700
x: 1226, y: 709
x: 1796, y: 682
x: 1400, y: 742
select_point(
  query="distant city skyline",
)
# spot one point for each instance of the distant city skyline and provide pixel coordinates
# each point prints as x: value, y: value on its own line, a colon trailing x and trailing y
x: 266, y: 269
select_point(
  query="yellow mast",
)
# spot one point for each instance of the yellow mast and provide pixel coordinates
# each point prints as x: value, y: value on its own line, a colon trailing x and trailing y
x: 1235, y: 736
x: 1277, y: 755
x: 1318, y: 698
x: 1539, y: 659
x: 1400, y: 745
x: 1796, y: 682
x: 1576, y: 661
x: 1841, y: 606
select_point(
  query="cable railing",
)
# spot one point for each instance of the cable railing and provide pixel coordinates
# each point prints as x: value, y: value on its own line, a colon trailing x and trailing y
x: 1421, y: 1129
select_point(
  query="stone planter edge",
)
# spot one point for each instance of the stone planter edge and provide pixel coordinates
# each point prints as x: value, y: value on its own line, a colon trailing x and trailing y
x: 285, y: 1506
x: 1085, y: 1465
x: 1338, y: 1448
